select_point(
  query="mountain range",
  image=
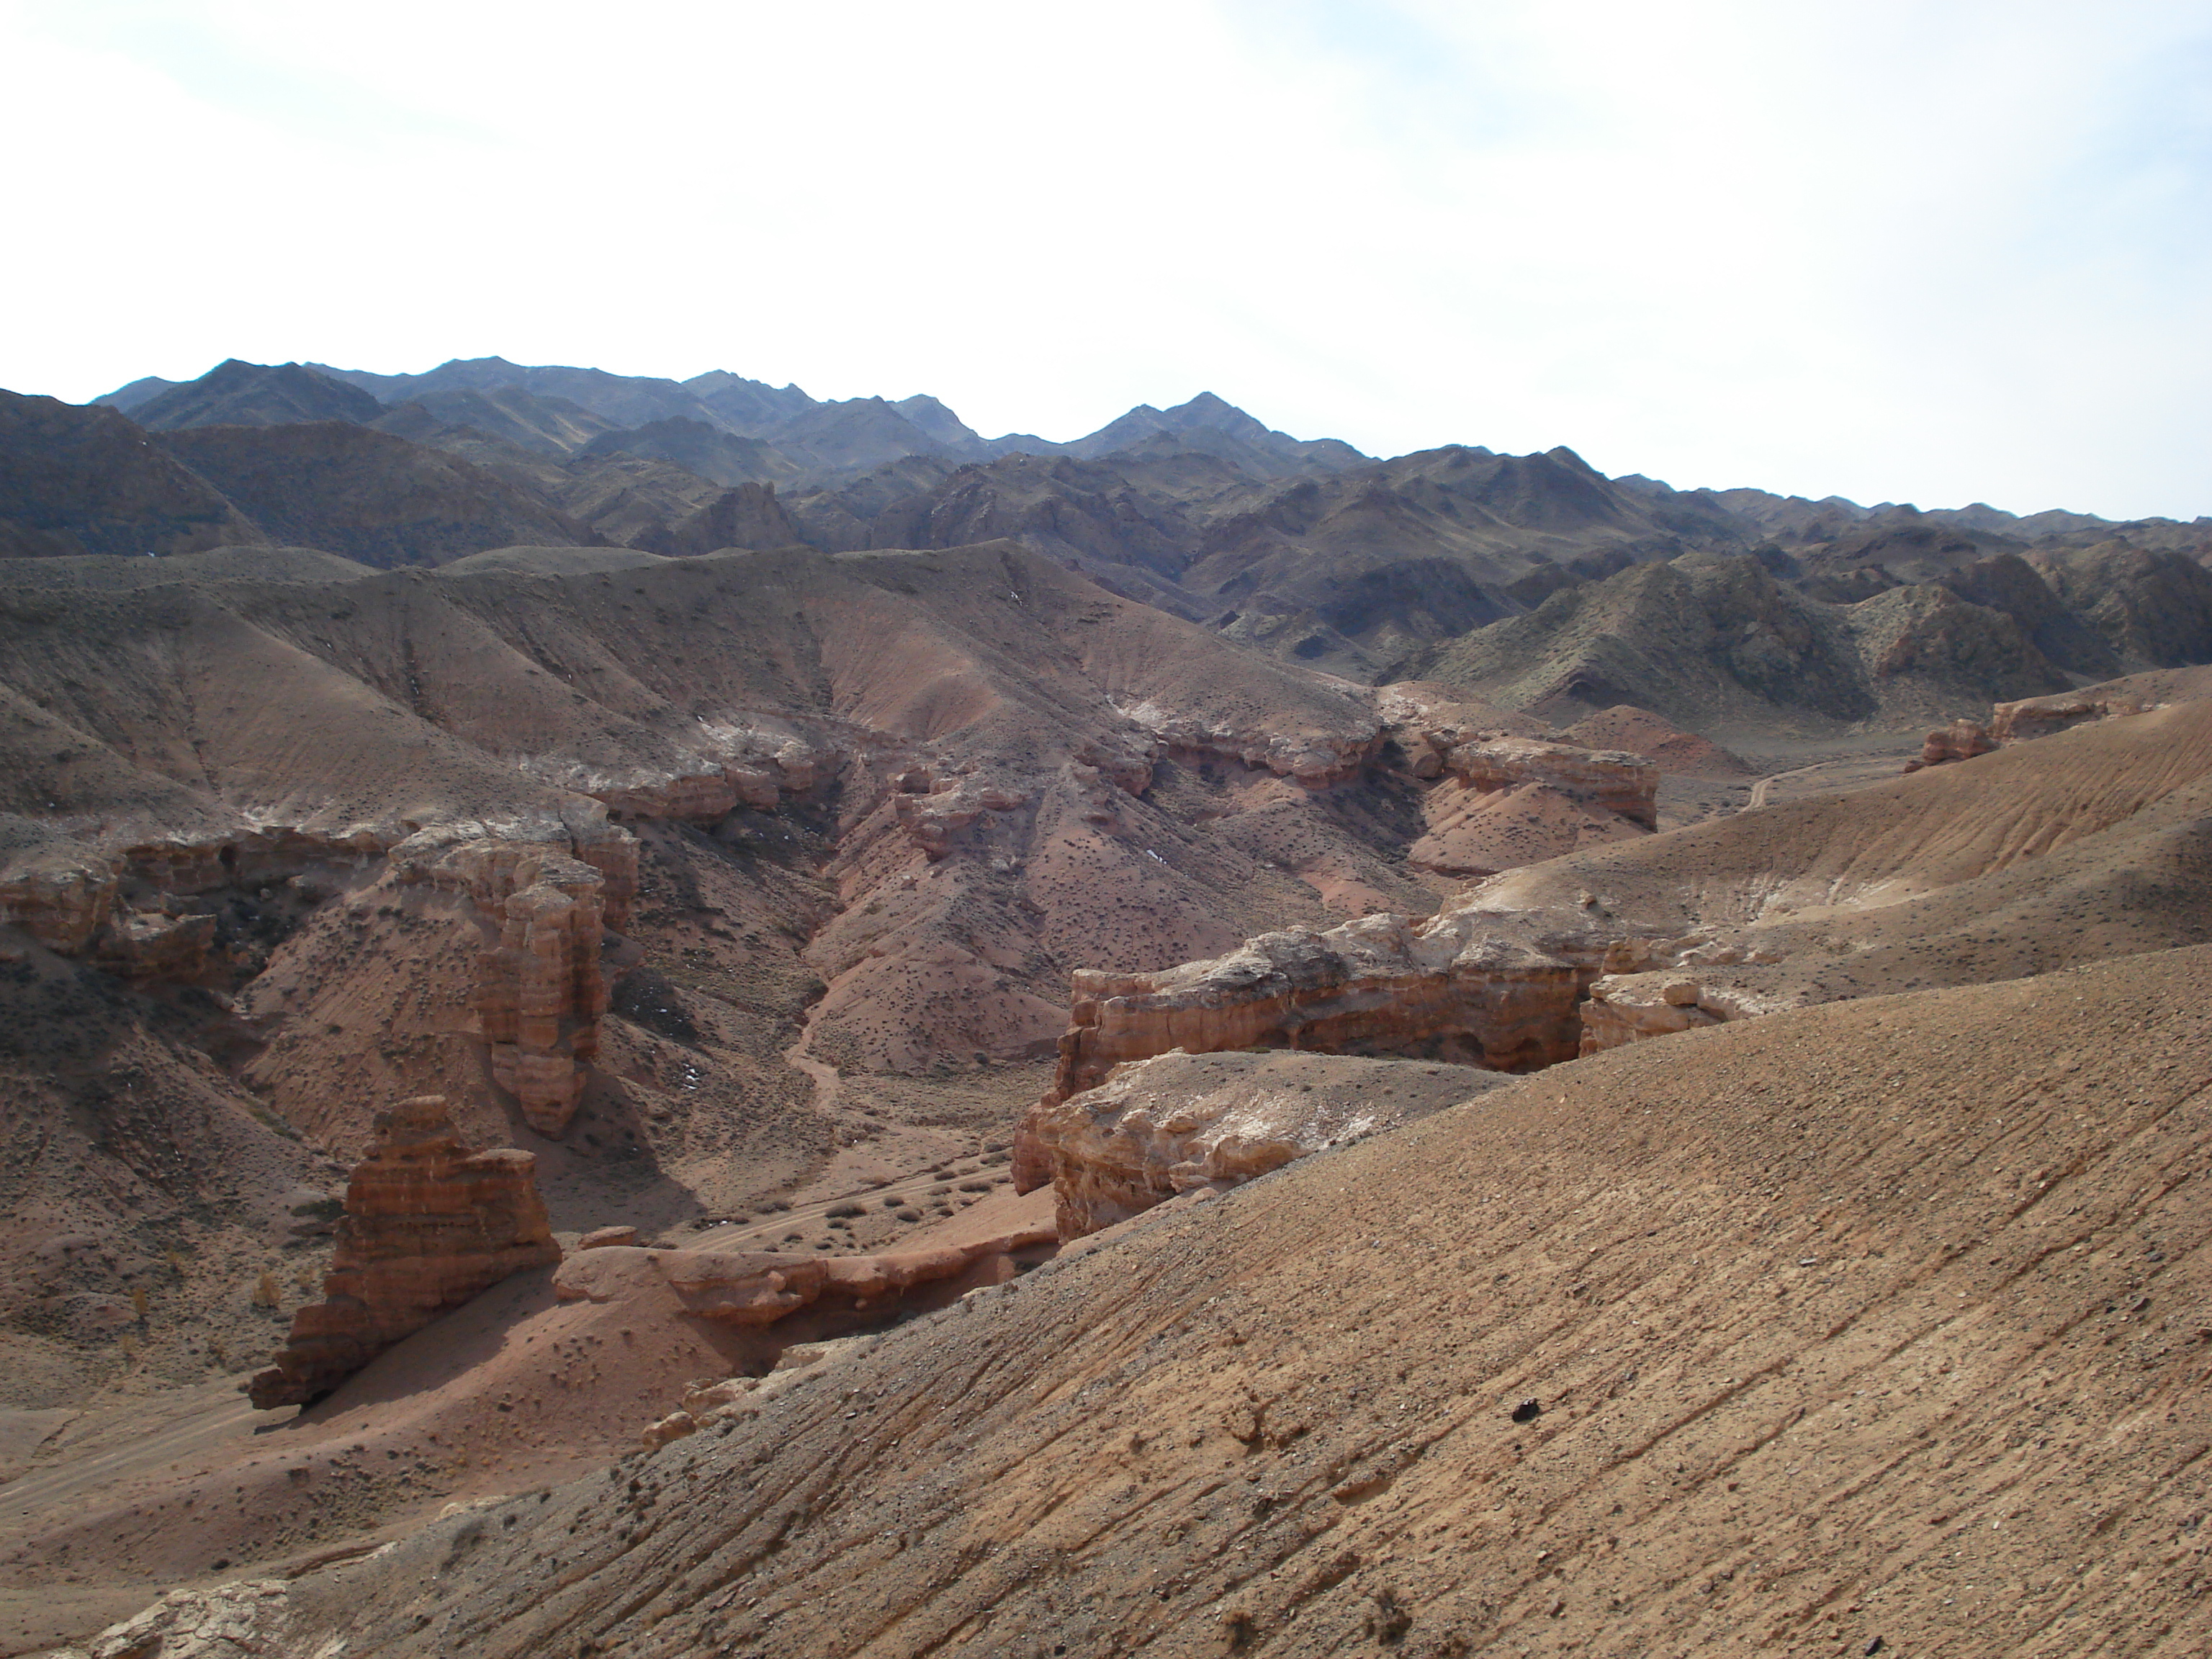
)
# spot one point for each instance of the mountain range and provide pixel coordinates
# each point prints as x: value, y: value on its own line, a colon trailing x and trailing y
x: 1530, y: 580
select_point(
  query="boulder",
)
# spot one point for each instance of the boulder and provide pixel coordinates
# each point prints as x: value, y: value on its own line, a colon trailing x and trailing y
x: 674, y: 1426
x: 1962, y: 739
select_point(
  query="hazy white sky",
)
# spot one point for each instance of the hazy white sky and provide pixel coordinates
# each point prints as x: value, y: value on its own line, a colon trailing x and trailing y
x: 1911, y: 250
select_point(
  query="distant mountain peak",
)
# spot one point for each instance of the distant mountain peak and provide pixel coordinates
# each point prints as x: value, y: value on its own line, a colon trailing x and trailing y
x: 235, y: 392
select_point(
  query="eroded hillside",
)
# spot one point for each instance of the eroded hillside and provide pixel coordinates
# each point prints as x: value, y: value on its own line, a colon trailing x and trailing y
x: 1869, y: 1327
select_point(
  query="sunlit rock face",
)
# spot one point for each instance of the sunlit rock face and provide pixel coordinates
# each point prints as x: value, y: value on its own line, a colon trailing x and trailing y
x: 429, y: 1223
x: 1182, y: 1122
x: 1468, y: 987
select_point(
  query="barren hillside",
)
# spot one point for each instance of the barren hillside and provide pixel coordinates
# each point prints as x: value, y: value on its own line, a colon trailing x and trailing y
x: 1869, y: 1327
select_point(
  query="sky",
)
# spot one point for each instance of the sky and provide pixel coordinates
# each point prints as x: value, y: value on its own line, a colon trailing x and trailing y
x: 1936, y: 251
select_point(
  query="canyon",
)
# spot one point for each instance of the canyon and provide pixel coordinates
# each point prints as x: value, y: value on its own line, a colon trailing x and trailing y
x: 566, y: 925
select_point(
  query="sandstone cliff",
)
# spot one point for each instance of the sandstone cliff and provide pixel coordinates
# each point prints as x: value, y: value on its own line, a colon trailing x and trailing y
x: 428, y: 1226
x: 1472, y: 988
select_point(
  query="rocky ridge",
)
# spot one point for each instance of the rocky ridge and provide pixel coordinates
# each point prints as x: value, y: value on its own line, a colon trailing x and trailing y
x: 1706, y: 925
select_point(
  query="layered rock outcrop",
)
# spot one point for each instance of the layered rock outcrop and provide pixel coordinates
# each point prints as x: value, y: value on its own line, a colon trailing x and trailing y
x: 2038, y: 717
x: 540, y: 994
x: 754, y: 1289
x: 1609, y: 781
x: 1178, y: 1122
x: 59, y: 900
x: 429, y: 1225
x: 1632, y: 1008
x: 1502, y: 802
x: 1467, y: 986
x: 1313, y: 757
x: 1962, y: 739
x: 744, y: 768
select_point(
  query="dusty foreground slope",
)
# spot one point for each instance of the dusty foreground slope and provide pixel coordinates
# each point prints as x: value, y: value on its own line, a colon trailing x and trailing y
x: 1883, y: 1320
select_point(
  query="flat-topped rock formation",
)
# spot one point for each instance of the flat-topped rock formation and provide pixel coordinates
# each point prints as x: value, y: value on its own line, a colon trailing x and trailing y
x: 1470, y: 988
x: 429, y: 1225
x: 754, y: 1289
x: 2132, y: 694
x: 1180, y: 1123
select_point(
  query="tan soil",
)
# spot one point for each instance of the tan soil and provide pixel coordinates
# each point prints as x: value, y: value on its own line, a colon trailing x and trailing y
x: 1875, y: 1322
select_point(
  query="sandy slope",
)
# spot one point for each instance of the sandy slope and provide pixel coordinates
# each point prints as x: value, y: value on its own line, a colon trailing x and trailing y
x: 1878, y: 1321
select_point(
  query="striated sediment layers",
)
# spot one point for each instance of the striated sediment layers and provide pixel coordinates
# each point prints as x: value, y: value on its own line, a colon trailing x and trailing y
x: 540, y: 994
x: 1179, y: 1122
x: 1500, y: 803
x: 428, y: 1226
x: 1471, y: 988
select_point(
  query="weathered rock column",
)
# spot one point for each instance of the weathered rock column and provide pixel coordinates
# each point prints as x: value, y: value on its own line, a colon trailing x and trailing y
x: 428, y: 1226
x: 540, y: 995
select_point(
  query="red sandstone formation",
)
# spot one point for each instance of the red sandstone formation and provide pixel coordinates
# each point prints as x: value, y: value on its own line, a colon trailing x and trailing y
x: 1179, y: 1122
x: 1962, y: 739
x: 539, y: 990
x: 1473, y: 988
x: 540, y: 994
x: 428, y: 1226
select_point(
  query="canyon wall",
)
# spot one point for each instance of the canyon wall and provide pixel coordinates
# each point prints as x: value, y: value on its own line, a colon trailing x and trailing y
x: 1475, y: 989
